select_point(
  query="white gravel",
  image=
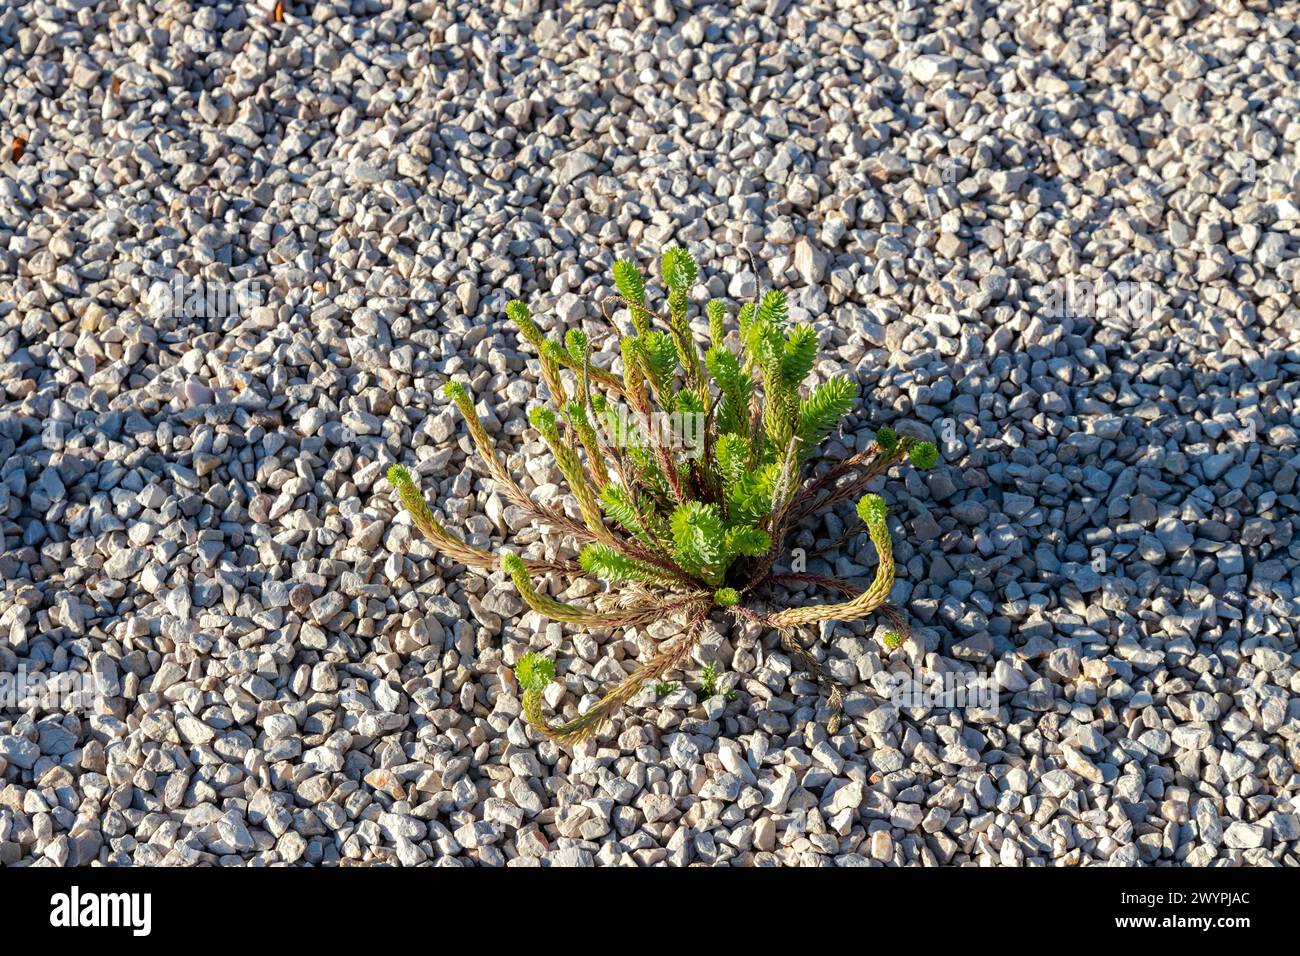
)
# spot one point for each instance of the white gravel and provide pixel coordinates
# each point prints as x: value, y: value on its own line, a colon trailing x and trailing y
x: 192, y: 503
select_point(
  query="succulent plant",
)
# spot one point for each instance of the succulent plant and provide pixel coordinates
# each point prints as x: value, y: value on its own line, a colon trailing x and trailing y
x: 689, y: 468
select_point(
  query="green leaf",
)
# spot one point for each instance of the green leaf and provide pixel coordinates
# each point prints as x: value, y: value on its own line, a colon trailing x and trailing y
x: 576, y: 412
x: 765, y: 346
x: 873, y: 510
x: 749, y: 498
x: 732, y: 452
x: 717, y: 312
x: 633, y: 367
x: 748, y: 541
x: 736, y: 388
x: 821, y: 411
x: 678, y: 269
x: 799, y: 356
x: 604, y: 562
x: 618, y: 505
x: 553, y: 351
x: 518, y: 313
x: 688, y: 403
x: 534, y: 672
x: 629, y: 281
x: 683, y: 338
x: 617, y: 502
x: 659, y: 355
x: 923, y: 455
x: 543, y: 420
x: 575, y: 340
x: 698, y: 537
x: 744, y: 320
x: 773, y: 312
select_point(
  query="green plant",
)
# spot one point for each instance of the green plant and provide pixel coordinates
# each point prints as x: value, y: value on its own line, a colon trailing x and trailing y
x: 709, y: 682
x: 665, y: 687
x: 691, y: 518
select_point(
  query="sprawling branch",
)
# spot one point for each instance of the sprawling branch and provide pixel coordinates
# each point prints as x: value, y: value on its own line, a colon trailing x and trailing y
x: 580, y: 728
x: 873, y: 511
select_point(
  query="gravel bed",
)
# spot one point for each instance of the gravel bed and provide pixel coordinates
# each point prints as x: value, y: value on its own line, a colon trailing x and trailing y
x: 194, y: 515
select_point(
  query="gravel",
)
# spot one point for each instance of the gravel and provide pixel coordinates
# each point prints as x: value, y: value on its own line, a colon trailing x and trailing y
x: 192, y: 501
